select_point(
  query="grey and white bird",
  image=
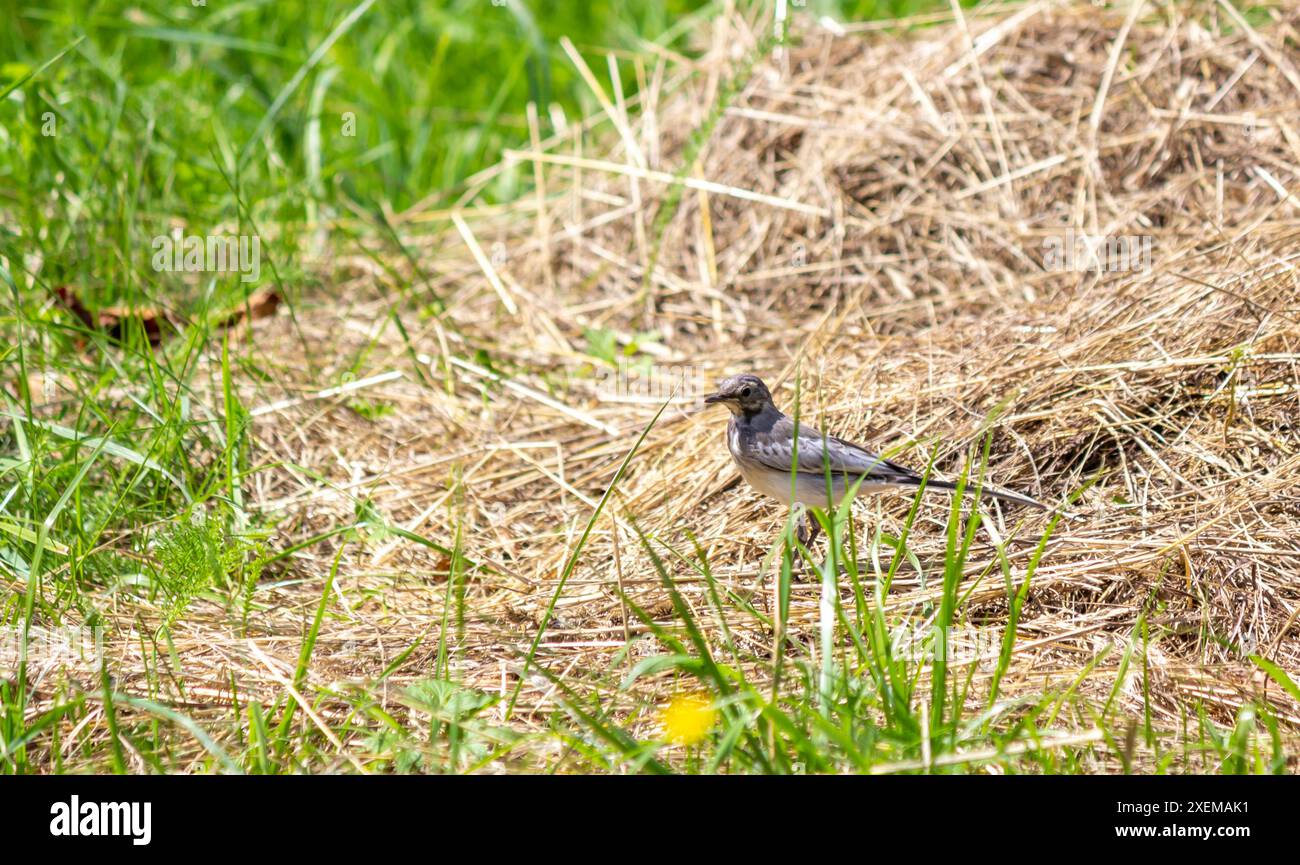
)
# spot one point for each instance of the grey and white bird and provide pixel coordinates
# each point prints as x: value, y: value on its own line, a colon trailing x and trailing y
x: 761, y: 439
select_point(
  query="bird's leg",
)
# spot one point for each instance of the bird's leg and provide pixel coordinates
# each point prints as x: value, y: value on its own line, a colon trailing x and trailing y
x: 801, y: 537
x: 806, y: 532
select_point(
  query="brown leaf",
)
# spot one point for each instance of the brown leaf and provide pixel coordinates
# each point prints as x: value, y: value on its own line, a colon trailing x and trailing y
x: 74, y: 305
x: 260, y: 304
x: 114, y: 320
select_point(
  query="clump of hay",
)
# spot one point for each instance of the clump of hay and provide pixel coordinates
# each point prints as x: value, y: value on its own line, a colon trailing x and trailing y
x: 901, y: 219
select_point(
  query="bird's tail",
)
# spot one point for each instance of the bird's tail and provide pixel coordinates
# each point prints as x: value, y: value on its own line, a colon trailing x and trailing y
x: 989, y: 492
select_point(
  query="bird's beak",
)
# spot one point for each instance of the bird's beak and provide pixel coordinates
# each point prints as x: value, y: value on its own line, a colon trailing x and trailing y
x: 713, y: 397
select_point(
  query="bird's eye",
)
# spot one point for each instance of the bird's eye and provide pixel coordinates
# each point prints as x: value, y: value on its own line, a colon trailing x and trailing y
x: 745, y: 393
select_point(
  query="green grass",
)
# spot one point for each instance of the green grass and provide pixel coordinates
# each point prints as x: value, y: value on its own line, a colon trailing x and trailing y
x: 122, y: 121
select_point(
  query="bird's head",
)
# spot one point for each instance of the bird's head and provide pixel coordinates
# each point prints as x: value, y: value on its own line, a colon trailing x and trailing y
x: 743, y: 394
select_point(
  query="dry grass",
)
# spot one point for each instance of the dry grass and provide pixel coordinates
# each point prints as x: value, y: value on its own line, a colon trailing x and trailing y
x: 874, y: 222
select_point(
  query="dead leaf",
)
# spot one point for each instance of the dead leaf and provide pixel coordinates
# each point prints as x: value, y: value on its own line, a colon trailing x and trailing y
x: 260, y: 304
x: 114, y: 320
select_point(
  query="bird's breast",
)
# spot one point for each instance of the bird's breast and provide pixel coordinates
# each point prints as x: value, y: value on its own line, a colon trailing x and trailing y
x: 733, y: 440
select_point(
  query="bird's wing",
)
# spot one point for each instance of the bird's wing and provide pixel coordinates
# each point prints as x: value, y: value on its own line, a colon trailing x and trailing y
x: 775, y: 450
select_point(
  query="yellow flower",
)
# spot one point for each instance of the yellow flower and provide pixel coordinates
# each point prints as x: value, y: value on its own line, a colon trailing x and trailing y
x: 688, y: 718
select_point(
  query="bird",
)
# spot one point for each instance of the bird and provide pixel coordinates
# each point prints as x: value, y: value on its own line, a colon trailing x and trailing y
x: 761, y: 440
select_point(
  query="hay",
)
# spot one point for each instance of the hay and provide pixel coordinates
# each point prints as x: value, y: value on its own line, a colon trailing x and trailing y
x: 874, y: 211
